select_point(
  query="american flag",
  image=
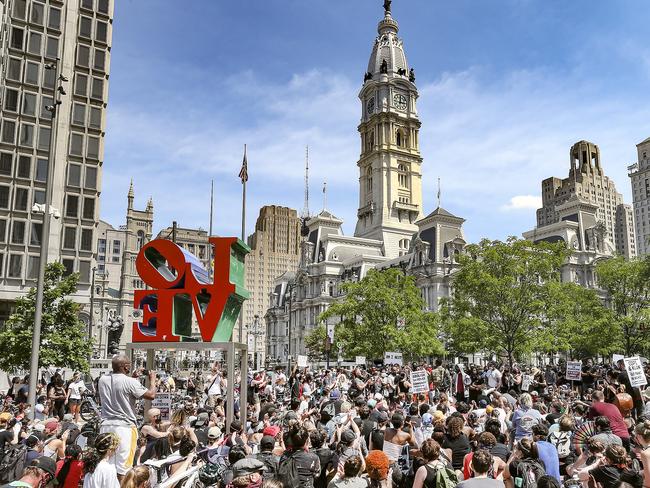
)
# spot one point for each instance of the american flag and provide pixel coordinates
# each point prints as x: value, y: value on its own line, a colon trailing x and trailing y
x: 243, y: 173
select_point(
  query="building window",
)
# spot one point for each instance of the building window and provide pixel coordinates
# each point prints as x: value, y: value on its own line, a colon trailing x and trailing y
x: 76, y: 144
x: 97, y: 90
x: 32, y: 267
x: 87, y: 4
x: 4, y: 196
x: 6, y: 164
x: 100, y: 59
x: 48, y: 78
x: 81, y: 85
x: 11, y: 100
x: 116, y: 247
x: 18, y: 232
x: 38, y: 197
x: 17, y: 36
x: 34, y: 44
x: 86, y: 240
x: 84, y: 271
x: 91, y: 178
x: 101, y: 31
x: 74, y: 175
x: 369, y: 181
x: 72, y: 206
x: 89, y: 208
x: 29, y: 104
x: 140, y: 239
x: 37, y: 15
x: 403, y: 176
x: 95, y: 118
x: 102, y: 6
x: 9, y: 131
x: 14, y: 69
x: 21, y: 199
x: 15, y: 266
x: 404, y: 246
x: 44, y: 138
x: 24, y: 169
x: 92, y: 150
x: 19, y: 10
x: 54, y: 20
x: 79, y: 114
x: 52, y: 49
x: 83, y: 55
x: 31, y: 73
x: 46, y: 102
x: 27, y: 135
x: 85, y: 27
x: 69, y: 237
x: 3, y: 230
x: 68, y: 264
x: 101, y: 246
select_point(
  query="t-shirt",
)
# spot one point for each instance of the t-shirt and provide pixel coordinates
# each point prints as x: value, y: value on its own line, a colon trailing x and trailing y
x: 481, y: 483
x: 75, y: 473
x: 493, y: 378
x: 215, y: 385
x: 610, y: 411
x: 118, y: 394
x: 76, y: 389
x: 548, y: 455
x: 608, y: 476
x: 459, y: 447
x: 104, y: 476
x: 524, y: 420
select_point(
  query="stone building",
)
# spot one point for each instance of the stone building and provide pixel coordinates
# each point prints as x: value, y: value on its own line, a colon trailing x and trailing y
x: 640, y: 179
x: 390, y: 230
x: 588, y: 182
x: 33, y: 34
x: 193, y: 240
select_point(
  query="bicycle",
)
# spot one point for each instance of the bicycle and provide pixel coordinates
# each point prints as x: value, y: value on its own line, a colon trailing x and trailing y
x: 88, y: 410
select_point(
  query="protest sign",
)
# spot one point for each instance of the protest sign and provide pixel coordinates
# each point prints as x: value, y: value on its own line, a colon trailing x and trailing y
x: 419, y: 383
x: 526, y: 381
x: 163, y: 402
x: 573, y: 371
x: 302, y: 361
x: 635, y: 371
x: 393, y: 358
x: 360, y: 360
x: 616, y: 358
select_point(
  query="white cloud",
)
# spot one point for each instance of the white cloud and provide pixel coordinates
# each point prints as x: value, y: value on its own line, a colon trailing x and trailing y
x: 523, y: 202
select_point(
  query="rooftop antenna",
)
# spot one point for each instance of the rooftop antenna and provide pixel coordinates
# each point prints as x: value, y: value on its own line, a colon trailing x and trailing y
x: 439, y: 193
x: 305, y: 208
x: 325, y: 195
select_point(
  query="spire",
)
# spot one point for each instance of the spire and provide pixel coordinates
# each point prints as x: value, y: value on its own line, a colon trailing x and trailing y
x: 131, y: 195
x: 324, y: 195
x: 387, y: 24
x: 305, y: 208
x: 150, y: 204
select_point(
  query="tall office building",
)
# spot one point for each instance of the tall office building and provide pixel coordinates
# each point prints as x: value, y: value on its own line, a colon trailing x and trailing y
x: 33, y: 34
x: 640, y: 176
x: 588, y: 182
x: 275, y: 249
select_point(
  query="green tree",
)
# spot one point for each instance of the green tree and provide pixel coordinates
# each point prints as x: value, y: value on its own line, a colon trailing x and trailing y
x: 368, y: 317
x: 501, y: 294
x: 316, y: 342
x: 64, y: 342
x: 627, y: 284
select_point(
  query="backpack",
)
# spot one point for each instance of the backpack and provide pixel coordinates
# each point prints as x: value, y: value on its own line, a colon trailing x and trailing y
x: 528, y: 473
x: 445, y: 477
x: 562, y: 442
x: 288, y: 471
x: 12, y: 463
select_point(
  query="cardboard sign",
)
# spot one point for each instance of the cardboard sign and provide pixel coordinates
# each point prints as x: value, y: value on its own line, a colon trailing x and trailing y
x: 302, y: 361
x: 360, y: 360
x: 635, y: 372
x: 393, y: 358
x: 419, y: 383
x: 573, y: 371
x: 163, y: 402
x: 526, y: 381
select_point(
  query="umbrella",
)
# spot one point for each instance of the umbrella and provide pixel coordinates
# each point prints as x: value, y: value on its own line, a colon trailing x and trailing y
x: 583, y: 433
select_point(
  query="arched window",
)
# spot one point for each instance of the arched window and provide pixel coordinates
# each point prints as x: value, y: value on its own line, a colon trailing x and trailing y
x: 398, y: 139
x: 404, y: 246
x: 369, y: 182
x: 370, y: 140
x: 140, y: 239
x: 403, y: 177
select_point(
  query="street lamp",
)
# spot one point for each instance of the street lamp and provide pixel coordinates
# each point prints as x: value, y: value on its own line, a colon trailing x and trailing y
x: 255, y: 332
x: 45, y: 237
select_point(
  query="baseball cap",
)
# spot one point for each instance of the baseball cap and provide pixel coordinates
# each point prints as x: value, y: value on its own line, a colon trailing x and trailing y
x: 267, y: 442
x: 247, y: 466
x: 372, y: 402
x: 214, y: 433
x: 335, y: 394
x: 235, y: 426
x: 52, y: 425
x: 271, y: 430
x: 382, y: 417
x: 348, y: 437
x: 202, y: 419
x: 45, y: 463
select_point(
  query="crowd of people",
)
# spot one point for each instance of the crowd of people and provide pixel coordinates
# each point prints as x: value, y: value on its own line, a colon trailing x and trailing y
x: 470, y: 426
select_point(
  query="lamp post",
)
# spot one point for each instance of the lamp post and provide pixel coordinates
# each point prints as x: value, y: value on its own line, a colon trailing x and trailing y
x: 92, y: 304
x: 45, y: 236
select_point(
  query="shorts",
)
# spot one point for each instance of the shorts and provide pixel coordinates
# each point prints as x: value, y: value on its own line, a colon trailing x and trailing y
x: 74, y: 401
x: 125, y: 453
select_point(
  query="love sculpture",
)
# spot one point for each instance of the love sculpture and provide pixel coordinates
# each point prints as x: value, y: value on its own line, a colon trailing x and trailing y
x: 181, y: 289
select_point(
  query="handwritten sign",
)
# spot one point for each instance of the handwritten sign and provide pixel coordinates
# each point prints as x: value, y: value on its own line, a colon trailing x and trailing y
x: 526, y: 381
x: 302, y: 361
x: 360, y: 360
x: 163, y: 402
x: 393, y: 358
x: 419, y: 383
x: 635, y: 372
x: 573, y: 371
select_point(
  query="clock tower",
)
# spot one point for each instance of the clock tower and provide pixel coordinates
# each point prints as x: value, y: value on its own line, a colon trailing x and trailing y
x: 390, y: 178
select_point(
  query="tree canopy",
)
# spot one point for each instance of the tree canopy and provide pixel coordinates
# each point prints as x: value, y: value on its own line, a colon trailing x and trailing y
x: 369, y: 313
x: 64, y: 342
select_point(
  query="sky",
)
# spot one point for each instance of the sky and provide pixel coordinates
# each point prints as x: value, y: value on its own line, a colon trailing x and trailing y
x: 506, y: 87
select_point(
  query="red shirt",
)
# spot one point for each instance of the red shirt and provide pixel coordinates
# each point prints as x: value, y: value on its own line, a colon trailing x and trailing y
x: 74, y: 475
x: 610, y: 411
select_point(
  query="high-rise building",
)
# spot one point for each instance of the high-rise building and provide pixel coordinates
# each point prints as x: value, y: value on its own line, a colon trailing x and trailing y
x: 588, y: 182
x: 275, y: 249
x: 640, y: 179
x: 33, y: 35
x: 390, y: 178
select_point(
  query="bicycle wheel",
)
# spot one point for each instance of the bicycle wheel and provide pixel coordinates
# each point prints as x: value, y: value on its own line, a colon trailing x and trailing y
x: 87, y: 411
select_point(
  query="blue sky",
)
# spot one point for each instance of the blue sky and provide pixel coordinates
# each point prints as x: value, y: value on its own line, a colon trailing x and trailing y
x: 506, y: 87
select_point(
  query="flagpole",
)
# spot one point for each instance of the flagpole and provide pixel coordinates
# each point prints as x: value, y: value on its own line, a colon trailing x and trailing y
x: 244, y: 178
x: 210, y: 264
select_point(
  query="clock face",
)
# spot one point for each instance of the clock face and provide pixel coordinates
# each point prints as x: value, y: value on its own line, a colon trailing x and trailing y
x: 400, y: 101
x: 370, y: 106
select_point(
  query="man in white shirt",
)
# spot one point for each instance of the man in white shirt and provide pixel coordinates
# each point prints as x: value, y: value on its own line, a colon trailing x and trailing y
x: 493, y: 377
x: 118, y: 392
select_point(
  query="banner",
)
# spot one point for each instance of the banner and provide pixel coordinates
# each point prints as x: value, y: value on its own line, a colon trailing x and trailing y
x: 635, y: 371
x: 360, y: 360
x: 393, y: 358
x: 573, y: 371
x: 419, y: 383
x: 526, y: 381
x: 163, y: 402
x: 302, y: 361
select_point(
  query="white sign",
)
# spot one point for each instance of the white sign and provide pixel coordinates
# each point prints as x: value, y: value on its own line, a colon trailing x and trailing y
x: 393, y: 358
x: 526, y: 381
x: 360, y: 360
x: 616, y: 358
x: 419, y: 383
x: 163, y: 402
x: 635, y: 371
x: 573, y: 371
x: 302, y: 361
x: 330, y: 333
